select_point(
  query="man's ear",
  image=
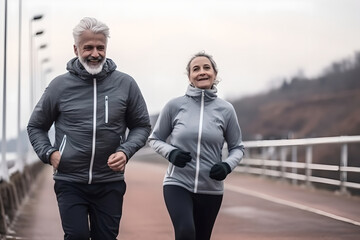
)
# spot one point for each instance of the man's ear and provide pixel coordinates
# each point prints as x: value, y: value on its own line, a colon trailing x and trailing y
x: 75, y: 50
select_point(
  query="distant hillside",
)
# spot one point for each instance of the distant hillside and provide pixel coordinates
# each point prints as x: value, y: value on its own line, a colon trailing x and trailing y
x: 302, y: 107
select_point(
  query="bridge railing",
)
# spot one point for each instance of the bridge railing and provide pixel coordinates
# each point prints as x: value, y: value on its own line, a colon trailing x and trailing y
x: 280, y: 158
x: 17, y: 174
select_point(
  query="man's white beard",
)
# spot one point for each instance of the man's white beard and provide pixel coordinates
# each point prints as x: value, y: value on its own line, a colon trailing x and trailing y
x: 90, y: 69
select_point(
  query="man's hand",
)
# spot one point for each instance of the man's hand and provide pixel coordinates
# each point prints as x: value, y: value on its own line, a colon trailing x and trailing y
x: 55, y: 159
x: 117, y: 161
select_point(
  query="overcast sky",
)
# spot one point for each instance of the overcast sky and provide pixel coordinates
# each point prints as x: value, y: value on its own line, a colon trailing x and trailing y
x: 256, y: 43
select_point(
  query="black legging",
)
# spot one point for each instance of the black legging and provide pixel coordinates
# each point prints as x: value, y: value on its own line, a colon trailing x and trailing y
x: 193, y: 215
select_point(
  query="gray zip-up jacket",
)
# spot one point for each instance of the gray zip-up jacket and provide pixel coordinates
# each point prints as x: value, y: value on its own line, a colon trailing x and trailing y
x: 198, y: 123
x: 91, y: 115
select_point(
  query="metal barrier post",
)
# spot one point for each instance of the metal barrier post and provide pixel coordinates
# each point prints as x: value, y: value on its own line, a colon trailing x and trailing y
x: 263, y: 158
x: 247, y: 155
x: 343, y: 163
x: 308, y: 162
x: 294, y: 160
x: 283, y: 159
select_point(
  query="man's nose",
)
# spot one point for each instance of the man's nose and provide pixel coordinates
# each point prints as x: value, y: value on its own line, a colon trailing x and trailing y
x: 95, y: 53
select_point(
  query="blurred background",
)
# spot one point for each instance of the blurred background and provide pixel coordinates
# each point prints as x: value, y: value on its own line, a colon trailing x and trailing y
x: 290, y: 67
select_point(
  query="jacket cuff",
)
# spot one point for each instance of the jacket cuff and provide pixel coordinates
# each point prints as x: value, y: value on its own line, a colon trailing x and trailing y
x: 227, y: 167
x: 48, y: 154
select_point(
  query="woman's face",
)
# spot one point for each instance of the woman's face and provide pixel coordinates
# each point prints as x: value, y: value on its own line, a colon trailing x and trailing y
x: 202, y: 74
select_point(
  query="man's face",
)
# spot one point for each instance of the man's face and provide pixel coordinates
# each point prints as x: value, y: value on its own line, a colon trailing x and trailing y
x: 91, y: 51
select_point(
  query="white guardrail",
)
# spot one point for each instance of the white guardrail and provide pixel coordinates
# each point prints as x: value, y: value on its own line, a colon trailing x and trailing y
x: 279, y: 158
x: 273, y: 158
x: 15, y: 162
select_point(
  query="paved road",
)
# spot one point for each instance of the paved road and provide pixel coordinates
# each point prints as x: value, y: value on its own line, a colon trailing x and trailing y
x: 253, y: 208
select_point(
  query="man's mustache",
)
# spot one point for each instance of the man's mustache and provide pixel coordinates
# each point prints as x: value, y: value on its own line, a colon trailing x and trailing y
x: 95, y: 59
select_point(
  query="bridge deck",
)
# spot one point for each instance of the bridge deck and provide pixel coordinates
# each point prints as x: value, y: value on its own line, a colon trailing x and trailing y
x: 253, y: 208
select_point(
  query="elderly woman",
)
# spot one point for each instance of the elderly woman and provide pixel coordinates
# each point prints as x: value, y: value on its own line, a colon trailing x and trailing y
x: 190, y: 132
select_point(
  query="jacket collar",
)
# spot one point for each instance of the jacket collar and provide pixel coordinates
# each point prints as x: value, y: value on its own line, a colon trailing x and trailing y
x: 75, y: 67
x: 195, y: 93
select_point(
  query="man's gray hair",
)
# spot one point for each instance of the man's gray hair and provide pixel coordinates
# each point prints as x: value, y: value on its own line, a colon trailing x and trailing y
x: 91, y: 24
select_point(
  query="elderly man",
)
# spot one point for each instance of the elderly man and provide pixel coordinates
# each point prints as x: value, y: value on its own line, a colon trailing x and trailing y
x: 92, y: 106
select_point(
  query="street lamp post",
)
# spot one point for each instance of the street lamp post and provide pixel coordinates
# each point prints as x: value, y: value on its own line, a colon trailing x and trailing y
x: 42, y: 72
x: 20, y: 163
x: 37, y: 72
x: 38, y: 33
x: 32, y: 69
x: 31, y: 62
x: 4, y: 174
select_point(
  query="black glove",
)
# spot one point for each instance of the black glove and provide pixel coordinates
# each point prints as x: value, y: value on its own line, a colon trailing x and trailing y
x: 179, y: 157
x: 219, y: 171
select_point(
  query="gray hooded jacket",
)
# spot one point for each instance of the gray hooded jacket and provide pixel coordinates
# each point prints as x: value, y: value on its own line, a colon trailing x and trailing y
x: 198, y: 123
x: 91, y: 115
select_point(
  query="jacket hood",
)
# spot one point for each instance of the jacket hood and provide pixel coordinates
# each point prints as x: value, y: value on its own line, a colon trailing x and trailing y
x: 195, y: 93
x: 75, y: 67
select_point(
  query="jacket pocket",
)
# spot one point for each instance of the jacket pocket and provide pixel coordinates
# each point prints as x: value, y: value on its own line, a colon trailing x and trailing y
x: 170, y: 169
x: 61, y: 150
x: 62, y: 145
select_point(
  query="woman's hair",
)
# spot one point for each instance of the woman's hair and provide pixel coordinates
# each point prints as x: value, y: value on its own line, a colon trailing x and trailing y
x: 91, y: 24
x: 213, y: 64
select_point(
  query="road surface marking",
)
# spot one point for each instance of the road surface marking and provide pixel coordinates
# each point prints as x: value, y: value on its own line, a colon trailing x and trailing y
x: 288, y: 203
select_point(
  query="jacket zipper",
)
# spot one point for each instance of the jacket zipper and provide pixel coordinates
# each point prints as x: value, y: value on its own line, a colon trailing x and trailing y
x: 94, y: 133
x: 199, y: 142
x: 106, y: 109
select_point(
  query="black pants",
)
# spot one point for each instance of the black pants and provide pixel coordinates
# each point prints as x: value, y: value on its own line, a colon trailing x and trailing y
x: 193, y: 215
x: 99, y: 205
